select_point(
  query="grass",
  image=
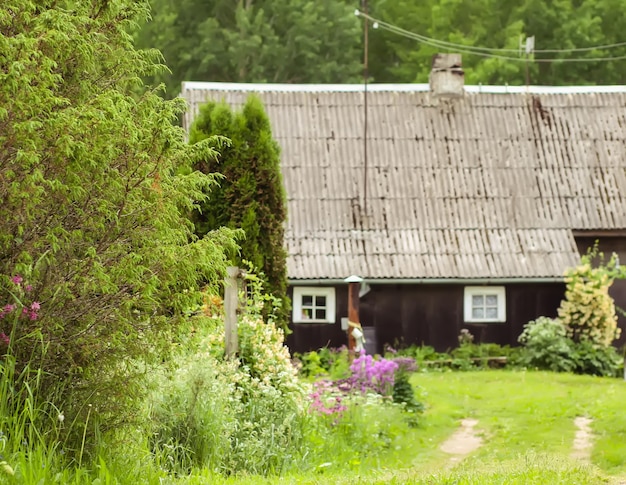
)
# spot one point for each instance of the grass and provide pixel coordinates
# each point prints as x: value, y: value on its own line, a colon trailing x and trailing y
x: 522, y: 412
x: 525, y: 418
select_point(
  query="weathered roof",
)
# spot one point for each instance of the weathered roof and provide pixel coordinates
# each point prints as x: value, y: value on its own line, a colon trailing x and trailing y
x: 489, y: 185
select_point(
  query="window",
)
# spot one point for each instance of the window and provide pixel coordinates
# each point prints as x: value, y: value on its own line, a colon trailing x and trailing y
x: 485, y: 304
x: 313, y: 305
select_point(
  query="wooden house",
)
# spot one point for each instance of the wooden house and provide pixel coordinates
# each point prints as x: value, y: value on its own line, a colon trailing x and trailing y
x: 459, y: 206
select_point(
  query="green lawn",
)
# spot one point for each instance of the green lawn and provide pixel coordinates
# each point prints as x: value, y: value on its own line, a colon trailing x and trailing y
x: 530, y: 412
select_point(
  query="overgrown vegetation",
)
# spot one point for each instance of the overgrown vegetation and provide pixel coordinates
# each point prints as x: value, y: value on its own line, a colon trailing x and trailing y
x: 233, y: 416
x: 94, y: 233
x: 579, y: 340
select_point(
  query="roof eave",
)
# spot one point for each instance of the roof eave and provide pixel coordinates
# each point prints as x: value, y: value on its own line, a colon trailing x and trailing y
x: 421, y: 281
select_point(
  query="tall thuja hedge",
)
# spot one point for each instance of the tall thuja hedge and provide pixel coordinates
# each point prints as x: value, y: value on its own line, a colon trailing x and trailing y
x: 251, y: 195
x: 98, y: 259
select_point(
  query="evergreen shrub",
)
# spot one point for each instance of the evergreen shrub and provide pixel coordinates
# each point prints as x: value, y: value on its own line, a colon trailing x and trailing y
x: 250, y: 194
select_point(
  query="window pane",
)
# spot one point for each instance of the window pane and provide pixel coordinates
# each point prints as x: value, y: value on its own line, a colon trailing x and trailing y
x: 492, y: 312
x: 478, y: 313
x: 307, y: 300
x: 306, y: 313
x: 477, y: 300
x: 320, y: 314
x: 320, y: 301
x: 492, y: 300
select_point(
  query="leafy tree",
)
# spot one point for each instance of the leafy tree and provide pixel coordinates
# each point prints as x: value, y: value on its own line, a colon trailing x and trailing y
x: 279, y: 41
x: 561, y: 25
x: 251, y: 195
x: 95, y: 241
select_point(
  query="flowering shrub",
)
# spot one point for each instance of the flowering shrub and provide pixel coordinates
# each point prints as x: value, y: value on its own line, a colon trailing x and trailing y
x: 21, y: 309
x: 369, y: 374
x: 327, y: 399
x: 382, y: 377
x: 232, y: 415
x: 588, y: 311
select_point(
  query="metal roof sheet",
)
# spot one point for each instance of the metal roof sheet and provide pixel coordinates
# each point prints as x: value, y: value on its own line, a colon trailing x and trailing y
x: 488, y: 185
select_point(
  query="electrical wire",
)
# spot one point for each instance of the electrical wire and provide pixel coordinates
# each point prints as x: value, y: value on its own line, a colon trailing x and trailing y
x: 489, y: 52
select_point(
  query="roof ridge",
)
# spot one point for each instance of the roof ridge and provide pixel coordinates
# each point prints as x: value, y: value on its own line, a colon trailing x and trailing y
x: 417, y: 88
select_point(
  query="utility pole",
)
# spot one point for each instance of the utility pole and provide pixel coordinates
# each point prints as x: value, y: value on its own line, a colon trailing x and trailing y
x: 530, y: 47
x: 365, y: 79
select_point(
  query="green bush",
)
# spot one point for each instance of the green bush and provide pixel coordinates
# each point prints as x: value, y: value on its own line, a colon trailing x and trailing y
x: 330, y: 362
x: 597, y: 360
x: 93, y: 211
x: 548, y: 347
x: 239, y: 415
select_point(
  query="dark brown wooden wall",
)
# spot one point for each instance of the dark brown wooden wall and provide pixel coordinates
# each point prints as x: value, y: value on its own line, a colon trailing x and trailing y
x: 428, y: 314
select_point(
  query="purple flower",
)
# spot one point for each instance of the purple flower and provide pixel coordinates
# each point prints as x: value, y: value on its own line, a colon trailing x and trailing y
x: 17, y: 279
x: 8, y: 308
x: 406, y: 364
x: 28, y: 288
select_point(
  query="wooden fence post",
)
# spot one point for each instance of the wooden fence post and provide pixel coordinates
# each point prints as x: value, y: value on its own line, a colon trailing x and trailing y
x: 231, y: 301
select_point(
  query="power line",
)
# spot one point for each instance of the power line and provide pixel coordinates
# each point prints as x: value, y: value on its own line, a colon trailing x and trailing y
x: 489, y: 52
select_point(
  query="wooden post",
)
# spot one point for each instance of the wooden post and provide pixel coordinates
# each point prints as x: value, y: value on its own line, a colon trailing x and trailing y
x: 231, y: 300
x: 353, y: 309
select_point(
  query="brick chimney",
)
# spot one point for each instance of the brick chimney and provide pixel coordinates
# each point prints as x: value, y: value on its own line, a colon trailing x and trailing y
x: 446, y: 76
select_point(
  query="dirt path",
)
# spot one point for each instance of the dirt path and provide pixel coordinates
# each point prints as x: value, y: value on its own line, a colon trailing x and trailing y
x: 462, y: 442
x: 583, y: 441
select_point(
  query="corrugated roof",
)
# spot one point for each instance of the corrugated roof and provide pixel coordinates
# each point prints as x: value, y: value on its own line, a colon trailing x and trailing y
x: 489, y: 185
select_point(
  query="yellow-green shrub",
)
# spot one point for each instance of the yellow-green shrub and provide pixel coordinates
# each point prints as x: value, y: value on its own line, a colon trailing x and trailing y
x: 588, y: 311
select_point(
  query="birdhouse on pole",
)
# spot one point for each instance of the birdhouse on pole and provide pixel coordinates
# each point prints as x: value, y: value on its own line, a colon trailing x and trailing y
x: 355, y: 332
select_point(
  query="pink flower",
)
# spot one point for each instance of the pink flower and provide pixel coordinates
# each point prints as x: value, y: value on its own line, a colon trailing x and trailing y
x: 29, y: 288
x: 17, y: 279
x: 4, y: 338
x: 32, y: 315
x: 35, y: 306
x: 8, y: 308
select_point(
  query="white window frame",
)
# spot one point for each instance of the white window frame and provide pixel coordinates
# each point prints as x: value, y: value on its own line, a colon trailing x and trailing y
x: 300, y: 291
x: 471, y: 291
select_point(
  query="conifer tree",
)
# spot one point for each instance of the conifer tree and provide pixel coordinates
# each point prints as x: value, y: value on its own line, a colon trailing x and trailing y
x: 251, y: 195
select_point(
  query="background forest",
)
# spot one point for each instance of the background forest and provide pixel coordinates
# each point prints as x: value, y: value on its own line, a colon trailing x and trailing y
x: 321, y: 41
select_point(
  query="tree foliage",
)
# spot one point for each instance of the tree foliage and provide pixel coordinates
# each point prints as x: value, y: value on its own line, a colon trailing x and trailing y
x: 279, y: 41
x: 560, y: 25
x: 306, y: 41
x: 93, y: 217
x: 251, y: 195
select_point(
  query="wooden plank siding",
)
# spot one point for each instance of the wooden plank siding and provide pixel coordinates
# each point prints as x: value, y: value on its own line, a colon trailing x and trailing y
x: 429, y: 314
